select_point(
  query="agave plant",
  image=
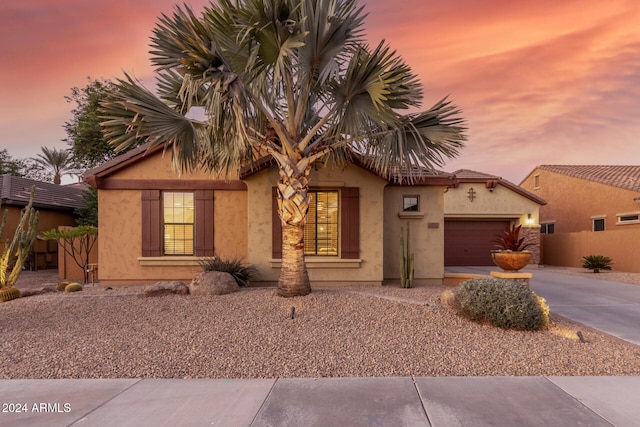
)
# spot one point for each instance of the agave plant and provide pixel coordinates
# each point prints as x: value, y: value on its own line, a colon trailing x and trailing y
x: 510, y: 240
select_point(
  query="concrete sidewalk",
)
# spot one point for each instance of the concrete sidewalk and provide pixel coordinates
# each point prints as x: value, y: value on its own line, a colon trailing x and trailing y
x: 421, y: 401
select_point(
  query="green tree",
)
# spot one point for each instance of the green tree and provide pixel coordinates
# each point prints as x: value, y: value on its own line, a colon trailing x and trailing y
x: 57, y: 162
x: 8, y: 165
x: 87, y: 144
x: 293, y: 80
x: 88, y: 215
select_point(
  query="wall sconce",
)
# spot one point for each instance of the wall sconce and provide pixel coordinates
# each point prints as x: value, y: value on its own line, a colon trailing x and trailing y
x: 491, y: 185
x: 529, y: 219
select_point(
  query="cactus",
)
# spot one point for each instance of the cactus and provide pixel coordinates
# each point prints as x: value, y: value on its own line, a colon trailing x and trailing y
x: 17, y: 250
x: 73, y: 287
x: 62, y: 285
x: 8, y: 293
x: 406, y: 259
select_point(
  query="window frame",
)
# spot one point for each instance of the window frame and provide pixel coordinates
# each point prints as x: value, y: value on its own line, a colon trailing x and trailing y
x: 184, y: 223
x: 622, y: 221
x: 598, y: 218
x: 406, y: 197
x: 544, y: 227
x: 317, y: 252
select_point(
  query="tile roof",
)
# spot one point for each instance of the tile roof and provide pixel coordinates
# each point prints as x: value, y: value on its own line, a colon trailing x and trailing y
x: 15, y: 190
x: 627, y: 177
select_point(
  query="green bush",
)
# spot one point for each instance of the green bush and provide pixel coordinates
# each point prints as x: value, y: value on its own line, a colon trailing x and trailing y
x: 504, y: 303
x: 596, y: 262
x: 243, y: 273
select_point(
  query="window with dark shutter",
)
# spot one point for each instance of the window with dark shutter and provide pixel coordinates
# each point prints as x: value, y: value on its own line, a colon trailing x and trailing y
x: 349, y: 212
x: 177, y: 223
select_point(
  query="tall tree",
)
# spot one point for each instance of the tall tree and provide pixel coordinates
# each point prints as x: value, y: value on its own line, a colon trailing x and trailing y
x: 293, y: 80
x: 8, y: 165
x: 57, y: 162
x: 87, y: 144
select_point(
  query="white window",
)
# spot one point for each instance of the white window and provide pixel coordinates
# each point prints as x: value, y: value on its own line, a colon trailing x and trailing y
x: 628, y: 218
x: 598, y: 224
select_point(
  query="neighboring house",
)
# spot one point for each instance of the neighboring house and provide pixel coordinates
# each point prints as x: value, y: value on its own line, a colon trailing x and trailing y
x: 56, y: 204
x: 478, y: 208
x: 591, y: 210
x: 156, y: 225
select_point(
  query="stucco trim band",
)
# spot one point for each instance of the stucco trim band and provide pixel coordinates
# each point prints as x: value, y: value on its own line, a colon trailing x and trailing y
x: 169, y: 261
x: 323, y: 263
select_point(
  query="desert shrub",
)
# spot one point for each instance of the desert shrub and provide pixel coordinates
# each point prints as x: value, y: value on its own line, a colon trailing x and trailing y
x: 504, y: 303
x: 596, y: 262
x: 240, y: 271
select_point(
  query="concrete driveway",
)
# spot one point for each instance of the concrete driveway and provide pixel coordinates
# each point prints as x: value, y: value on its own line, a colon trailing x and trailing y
x: 608, y: 306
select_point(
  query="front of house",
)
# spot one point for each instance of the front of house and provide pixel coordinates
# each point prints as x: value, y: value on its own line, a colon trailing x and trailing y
x: 155, y: 225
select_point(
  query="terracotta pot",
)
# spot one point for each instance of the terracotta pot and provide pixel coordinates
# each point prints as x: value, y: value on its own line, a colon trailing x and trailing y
x: 511, y: 261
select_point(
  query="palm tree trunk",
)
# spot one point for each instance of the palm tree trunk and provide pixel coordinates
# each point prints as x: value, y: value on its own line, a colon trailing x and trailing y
x: 294, y: 280
x: 293, y: 205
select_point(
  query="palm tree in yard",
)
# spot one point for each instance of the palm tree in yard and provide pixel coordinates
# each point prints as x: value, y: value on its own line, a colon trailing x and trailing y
x: 291, y: 80
x: 58, y: 162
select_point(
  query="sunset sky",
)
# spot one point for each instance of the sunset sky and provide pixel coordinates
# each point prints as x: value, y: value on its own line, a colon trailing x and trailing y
x: 539, y: 81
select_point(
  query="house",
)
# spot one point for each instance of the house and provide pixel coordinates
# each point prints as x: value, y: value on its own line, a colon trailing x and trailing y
x: 591, y: 210
x: 156, y: 225
x: 481, y: 206
x: 56, y: 204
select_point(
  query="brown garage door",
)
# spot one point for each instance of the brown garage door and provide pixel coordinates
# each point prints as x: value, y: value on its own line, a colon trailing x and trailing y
x: 470, y: 242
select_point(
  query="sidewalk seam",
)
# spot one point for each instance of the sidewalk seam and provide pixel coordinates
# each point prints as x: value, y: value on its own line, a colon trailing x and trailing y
x: 424, y: 408
x: 578, y: 400
x: 264, y: 402
x: 104, y: 403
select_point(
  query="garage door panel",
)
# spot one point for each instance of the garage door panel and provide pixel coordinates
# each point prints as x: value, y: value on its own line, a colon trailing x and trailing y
x: 470, y: 242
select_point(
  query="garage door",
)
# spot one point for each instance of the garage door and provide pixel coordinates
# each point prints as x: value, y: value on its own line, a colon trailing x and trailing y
x: 470, y: 242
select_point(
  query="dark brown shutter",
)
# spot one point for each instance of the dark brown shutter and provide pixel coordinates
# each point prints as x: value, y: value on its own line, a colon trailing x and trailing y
x: 151, y: 223
x: 276, y: 227
x: 350, y: 220
x: 204, y: 223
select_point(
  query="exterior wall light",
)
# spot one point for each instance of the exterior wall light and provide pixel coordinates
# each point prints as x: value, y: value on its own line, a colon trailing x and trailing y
x: 529, y: 219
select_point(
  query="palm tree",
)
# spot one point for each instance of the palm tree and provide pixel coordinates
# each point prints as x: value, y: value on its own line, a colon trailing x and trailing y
x: 58, y: 162
x: 291, y: 80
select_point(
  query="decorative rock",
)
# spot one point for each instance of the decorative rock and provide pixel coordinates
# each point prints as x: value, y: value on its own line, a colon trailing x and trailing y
x: 448, y: 298
x: 166, y: 288
x: 213, y: 283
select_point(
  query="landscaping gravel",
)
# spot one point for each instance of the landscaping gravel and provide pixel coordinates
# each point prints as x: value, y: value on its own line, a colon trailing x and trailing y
x: 351, y: 332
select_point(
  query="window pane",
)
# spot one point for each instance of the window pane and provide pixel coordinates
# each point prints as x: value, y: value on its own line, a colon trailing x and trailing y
x: 321, y: 230
x: 598, y: 224
x: 178, y: 221
x: 410, y: 204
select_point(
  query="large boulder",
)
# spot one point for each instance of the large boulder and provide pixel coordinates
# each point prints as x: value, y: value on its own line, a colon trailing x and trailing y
x: 213, y: 283
x: 165, y: 288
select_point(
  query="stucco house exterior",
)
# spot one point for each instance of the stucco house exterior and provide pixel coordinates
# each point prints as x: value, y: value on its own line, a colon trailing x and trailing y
x: 156, y: 225
x: 591, y: 210
x: 479, y: 207
x: 56, y: 204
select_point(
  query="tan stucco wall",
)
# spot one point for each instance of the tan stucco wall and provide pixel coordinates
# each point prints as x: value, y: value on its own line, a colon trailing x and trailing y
x: 370, y: 268
x: 572, y: 202
x: 120, y: 228
x: 501, y: 203
x: 427, y: 233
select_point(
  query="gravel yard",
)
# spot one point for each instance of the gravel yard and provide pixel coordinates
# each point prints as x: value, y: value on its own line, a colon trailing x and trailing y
x: 352, y: 332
